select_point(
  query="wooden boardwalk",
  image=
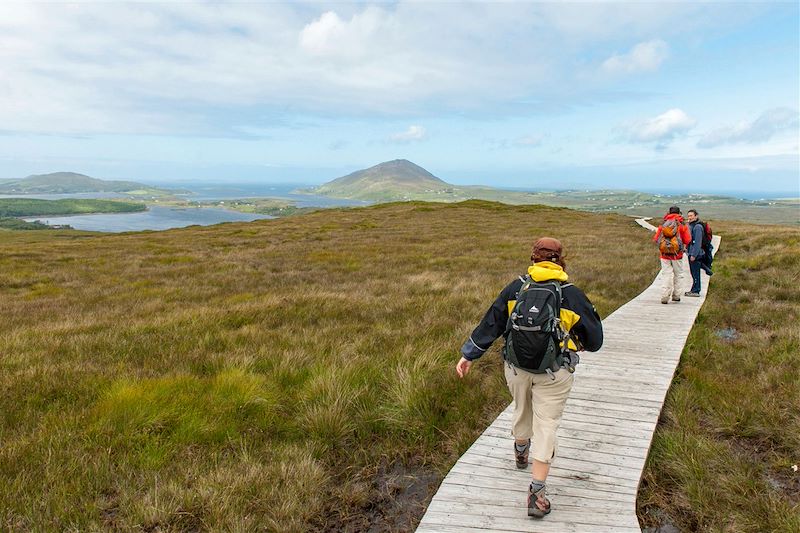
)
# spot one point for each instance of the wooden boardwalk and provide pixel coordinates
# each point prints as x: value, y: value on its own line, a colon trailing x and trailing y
x: 603, y: 440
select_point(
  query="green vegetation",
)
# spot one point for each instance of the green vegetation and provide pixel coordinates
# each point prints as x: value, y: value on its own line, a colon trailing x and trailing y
x: 30, y: 207
x: 67, y: 183
x: 11, y: 223
x: 292, y: 374
x: 722, y: 457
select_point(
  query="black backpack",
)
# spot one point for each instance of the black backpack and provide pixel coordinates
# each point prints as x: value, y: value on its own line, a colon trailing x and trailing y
x: 534, y: 332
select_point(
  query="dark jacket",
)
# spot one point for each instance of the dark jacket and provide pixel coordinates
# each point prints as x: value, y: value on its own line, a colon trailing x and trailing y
x: 696, y: 246
x: 578, y: 315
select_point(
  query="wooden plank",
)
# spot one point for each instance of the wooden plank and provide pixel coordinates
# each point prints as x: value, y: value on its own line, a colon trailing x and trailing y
x: 566, y: 483
x: 574, y: 522
x: 598, y: 453
x: 469, y: 465
x: 604, y: 437
x: 470, y: 494
x: 568, y: 486
x: 570, y: 466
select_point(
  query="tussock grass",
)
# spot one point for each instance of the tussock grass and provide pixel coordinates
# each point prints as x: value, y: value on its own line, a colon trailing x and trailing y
x: 280, y: 375
x: 721, y: 458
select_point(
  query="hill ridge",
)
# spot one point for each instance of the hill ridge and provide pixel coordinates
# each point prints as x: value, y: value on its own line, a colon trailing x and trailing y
x: 66, y: 182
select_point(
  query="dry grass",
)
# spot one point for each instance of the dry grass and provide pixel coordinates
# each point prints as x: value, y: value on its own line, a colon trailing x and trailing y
x: 263, y: 375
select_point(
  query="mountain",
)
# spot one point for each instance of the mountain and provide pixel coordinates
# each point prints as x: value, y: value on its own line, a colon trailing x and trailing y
x: 392, y: 180
x: 66, y: 182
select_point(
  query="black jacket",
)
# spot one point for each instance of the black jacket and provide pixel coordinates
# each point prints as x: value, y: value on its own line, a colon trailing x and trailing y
x: 578, y: 315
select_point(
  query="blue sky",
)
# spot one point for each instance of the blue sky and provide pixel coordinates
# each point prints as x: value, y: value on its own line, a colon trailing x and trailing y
x: 686, y: 96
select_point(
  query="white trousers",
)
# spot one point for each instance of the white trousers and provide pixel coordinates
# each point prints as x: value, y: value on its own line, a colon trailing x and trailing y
x: 672, y: 277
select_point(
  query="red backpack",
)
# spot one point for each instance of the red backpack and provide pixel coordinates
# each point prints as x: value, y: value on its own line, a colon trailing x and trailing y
x: 707, y: 234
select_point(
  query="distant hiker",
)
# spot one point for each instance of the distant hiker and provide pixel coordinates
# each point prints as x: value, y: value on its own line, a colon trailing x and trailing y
x: 707, y: 257
x: 550, y: 320
x: 698, y: 249
x: 672, y: 237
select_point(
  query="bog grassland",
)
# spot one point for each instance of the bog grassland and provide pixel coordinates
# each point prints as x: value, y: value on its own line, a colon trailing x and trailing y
x: 297, y: 374
x: 288, y: 374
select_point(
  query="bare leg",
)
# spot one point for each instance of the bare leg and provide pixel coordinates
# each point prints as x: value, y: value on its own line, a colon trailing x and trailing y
x: 540, y: 470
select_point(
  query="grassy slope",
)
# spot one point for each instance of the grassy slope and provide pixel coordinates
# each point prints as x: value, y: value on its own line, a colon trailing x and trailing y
x: 284, y: 374
x: 32, y: 207
x: 11, y: 223
x: 721, y: 458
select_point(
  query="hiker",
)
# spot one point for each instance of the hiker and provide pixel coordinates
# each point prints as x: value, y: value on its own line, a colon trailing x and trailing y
x: 707, y: 257
x: 550, y: 321
x: 697, y: 252
x: 672, y: 237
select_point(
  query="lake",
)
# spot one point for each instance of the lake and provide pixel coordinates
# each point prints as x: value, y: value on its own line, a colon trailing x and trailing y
x: 155, y: 218
x: 161, y: 217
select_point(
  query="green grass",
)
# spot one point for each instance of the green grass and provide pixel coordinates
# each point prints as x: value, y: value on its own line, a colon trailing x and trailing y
x: 721, y: 458
x: 273, y: 375
x: 11, y: 223
x: 32, y: 207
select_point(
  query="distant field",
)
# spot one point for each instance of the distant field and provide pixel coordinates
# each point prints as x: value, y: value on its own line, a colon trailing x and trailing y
x: 262, y: 206
x: 781, y: 211
x: 30, y: 207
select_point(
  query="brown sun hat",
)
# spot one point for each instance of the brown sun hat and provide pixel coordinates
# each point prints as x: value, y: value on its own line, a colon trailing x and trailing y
x: 547, y: 249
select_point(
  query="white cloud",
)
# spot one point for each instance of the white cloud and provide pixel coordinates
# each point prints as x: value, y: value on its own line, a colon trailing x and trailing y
x: 329, y: 35
x: 769, y: 124
x: 661, y: 129
x: 643, y: 57
x: 203, y: 68
x: 413, y: 133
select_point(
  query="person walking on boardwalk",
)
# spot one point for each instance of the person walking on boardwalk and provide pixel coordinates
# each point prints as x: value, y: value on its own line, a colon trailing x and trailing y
x: 672, y: 237
x: 695, y: 252
x: 544, y: 321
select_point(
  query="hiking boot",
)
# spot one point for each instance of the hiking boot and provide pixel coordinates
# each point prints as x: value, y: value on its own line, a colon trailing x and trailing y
x: 538, y: 504
x: 692, y: 294
x: 665, y: 299
x: 521, y: 454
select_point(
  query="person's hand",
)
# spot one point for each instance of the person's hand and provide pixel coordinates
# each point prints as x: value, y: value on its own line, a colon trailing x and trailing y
x: 462, y: 367
x: 691, y: 258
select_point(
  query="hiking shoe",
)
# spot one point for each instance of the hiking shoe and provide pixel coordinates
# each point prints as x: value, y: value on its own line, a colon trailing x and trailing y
x: 676, y: 298
x: 521, y: 454
x: 692, y: 294
x: 538, y: 504
x: 665, y: 299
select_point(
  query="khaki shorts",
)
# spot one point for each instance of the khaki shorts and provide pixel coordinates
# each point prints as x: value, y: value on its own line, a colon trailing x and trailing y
x: 538, y: 405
